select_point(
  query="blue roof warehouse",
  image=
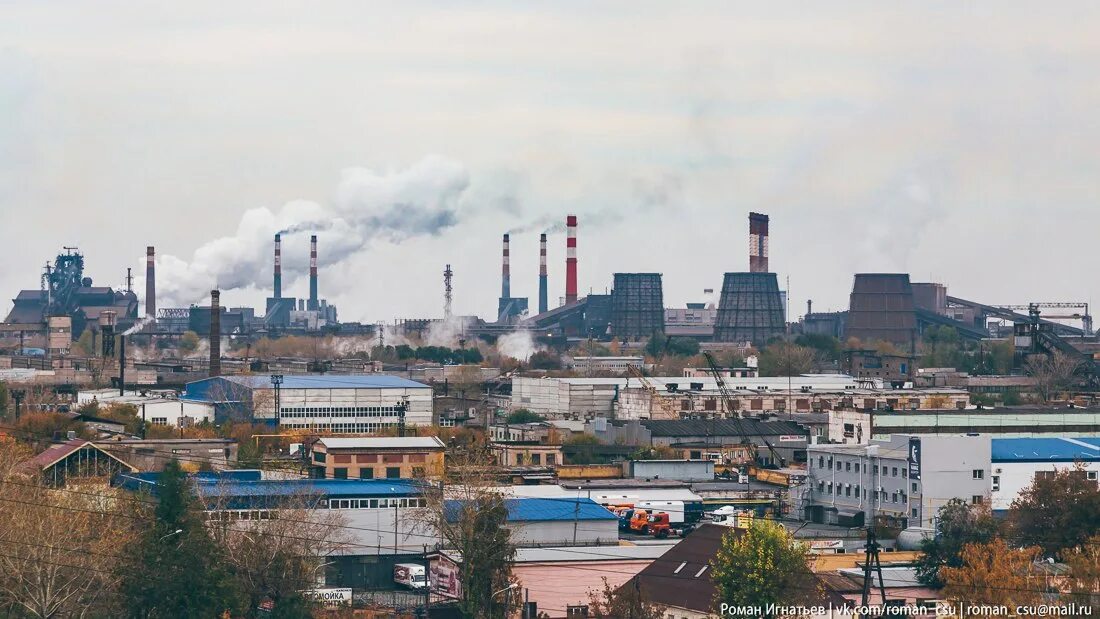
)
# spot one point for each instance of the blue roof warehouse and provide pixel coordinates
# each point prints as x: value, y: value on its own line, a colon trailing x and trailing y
x: 340, y: 404
x: 1017, y: 462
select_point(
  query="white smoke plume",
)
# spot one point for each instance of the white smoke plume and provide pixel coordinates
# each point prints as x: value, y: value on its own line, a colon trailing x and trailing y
x: 517, y: 345
x: 421, y: 200
x: 139, y: 325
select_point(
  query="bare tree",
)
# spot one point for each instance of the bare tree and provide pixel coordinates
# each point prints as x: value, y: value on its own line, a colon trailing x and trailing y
x: 277, y: 553
x: 58, y: 549
x: 470, y: 515
x: 1053, y: 373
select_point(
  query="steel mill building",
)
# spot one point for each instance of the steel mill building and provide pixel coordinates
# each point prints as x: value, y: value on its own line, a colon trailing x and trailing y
x: 328, y: 403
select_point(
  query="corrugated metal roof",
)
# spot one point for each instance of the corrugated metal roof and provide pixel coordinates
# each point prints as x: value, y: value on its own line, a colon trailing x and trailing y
x: 544, y: 510
x: 330, y: 381
x: 721, y: 427
x: 226, y: 487
x: 1054, y: 449
x: 380, y: 442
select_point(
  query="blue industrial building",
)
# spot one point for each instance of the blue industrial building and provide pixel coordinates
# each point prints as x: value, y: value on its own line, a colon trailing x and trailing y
x: 1017, y: 462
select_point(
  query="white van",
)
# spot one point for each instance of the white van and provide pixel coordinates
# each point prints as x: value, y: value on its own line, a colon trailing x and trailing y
x: 411, y: 575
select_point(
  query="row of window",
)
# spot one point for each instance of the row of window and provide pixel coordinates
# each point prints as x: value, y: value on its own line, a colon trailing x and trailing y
x: 338, y: 413
x: 853, y: 467
x: 342, y: 428
x: 536, y: 459
x: 339, y: 409
x: 374, y: 503
x: 898, y: 496
x: 233, y: 515
x: 392, y: 472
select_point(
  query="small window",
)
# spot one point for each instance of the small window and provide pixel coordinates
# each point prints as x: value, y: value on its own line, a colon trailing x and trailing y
x: 1090, y: 475
x: 996, y: 483
x: 977, y: 499
x: 366, y: 473
x: 576, y: 611
x: 857, y: 467
x: 914, y: 486
x: 894, y: 472
x: 914, y: 512
x: 393, y: 472
x: 978, y: 474
x: 848, y: 467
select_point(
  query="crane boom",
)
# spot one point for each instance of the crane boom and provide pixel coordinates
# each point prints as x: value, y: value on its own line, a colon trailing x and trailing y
x: 735, y: 416
x: 654, y: 394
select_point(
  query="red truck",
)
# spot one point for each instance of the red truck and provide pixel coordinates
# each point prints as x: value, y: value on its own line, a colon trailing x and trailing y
x: 659, y: 526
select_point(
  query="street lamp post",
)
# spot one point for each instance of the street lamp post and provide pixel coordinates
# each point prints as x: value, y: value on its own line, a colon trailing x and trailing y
x: 277, y: 382
x: 493, y: 596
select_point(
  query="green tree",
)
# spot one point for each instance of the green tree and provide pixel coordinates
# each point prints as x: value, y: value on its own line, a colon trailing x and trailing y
x: 544, y: 360
x: 522, y: 415
x: 626, y: 601
x: 958, y: 524
x: 472, y: 519
x: 84, y: 345
x: 827, y: 346
x: 177, y: 570
x: 660, y: 345
x: 189, y: 342
x: 1057, y: 512
x: 763, y: 565
x: 786, y: 359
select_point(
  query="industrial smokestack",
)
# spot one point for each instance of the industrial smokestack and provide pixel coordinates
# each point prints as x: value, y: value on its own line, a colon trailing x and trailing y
x: 758, y: 243
x: 570, y: 258
x: 122, y: 365
x: 215, y: 334
x: 278, y: 266
x: 542, y: 274
x: 505, y: 273
x: 809, y: 306
x: 312, y: 273
x: 150, y: 283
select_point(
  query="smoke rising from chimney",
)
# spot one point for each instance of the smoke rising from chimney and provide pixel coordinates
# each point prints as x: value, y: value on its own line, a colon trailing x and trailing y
x: 421, y: 200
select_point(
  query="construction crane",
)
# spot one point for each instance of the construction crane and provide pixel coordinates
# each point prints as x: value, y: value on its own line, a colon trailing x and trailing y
x: 654, y: 393
x: 1033, y: 309
x: 727, y: 397
x: 735, y: 415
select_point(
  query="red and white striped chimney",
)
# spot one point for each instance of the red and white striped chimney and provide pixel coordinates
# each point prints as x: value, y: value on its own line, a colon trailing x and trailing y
x: 758, y: 243
x: 312, y: 273
x: 505, y: 273
x: 570, y: 258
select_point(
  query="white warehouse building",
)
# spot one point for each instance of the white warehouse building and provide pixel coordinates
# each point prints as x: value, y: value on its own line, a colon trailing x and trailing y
x: 159, y: 407
x: 1017, y: 462
x: 588, y: 398
x: 339, y: 404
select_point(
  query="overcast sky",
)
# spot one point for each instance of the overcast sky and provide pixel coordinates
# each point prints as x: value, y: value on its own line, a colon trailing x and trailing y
x: 956, y: 141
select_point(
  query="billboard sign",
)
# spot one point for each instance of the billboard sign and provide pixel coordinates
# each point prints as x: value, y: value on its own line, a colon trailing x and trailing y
x: 914, y: 458
x: 445, y: 577
x: 329, y: 597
